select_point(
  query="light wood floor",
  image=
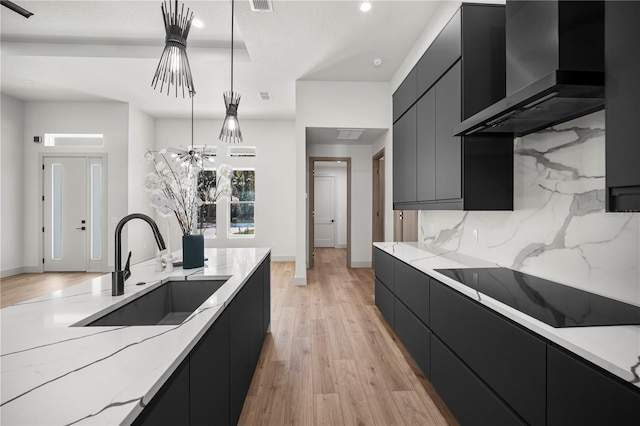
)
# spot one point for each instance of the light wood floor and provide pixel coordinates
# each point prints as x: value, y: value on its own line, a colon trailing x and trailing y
x: 330, y: 358
x: 22, y: 287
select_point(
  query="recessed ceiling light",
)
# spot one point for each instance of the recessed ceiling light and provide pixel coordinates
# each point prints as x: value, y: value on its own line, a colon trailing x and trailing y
x: 365, y: 6
x: 377, y: 62
x: 197, y: 23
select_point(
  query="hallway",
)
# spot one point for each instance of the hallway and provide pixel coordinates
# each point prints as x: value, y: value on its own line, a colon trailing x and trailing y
x: 331, y: 358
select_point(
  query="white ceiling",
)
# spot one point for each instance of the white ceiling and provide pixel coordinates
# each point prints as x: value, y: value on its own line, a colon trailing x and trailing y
x: 108, y: 50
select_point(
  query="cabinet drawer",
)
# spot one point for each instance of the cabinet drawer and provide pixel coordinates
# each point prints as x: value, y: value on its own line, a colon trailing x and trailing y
x: 385, y: 302
x: 384, y: 268
x: 581, y: 394
x: 470, y: 401
x: 412, y: 288
x: 443, y: 52
x: 414, y: 335
x: 509, y: 359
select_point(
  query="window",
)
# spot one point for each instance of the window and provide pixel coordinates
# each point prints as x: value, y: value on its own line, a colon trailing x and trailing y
x: 65, y: 139
x: 207, y: 212
x: 241, y: 151
x: 241, y: 208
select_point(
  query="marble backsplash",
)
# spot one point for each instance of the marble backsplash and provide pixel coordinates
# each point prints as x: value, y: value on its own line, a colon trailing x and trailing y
x: 558, y: 229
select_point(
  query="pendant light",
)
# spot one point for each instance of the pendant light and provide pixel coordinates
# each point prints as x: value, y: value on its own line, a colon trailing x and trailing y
x: 198, y: 159
x: 173, y: 68
x: 230, y: 132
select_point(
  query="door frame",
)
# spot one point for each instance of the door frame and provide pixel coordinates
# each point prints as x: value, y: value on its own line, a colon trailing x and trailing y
x: 88, y: 155
x: 377, y: 200
x: 311, y: 204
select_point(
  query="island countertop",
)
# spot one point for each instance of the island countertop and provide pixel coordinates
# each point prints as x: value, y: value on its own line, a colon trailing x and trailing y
x: 53, y: 372
x: 614, y: 348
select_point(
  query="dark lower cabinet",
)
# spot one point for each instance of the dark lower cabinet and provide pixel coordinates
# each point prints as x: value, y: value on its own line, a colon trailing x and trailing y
x: 582, y: 394
x: 266, y: 295
x: 414, y: 335
x: 384, y: 264
x: 412, y: 289
x: 209, y: 376
x: 210, y: 385
x: 509, y: 359
x: 170, y: 406
x: 470, y: 401
x: 385, y: 302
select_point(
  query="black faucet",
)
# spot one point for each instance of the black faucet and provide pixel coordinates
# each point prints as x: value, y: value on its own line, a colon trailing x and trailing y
x: 119, y: 276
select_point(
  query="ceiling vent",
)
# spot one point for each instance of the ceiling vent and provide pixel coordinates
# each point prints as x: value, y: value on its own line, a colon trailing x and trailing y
x: 265, y: 96
x: 350, y: 134
x: 261, y: 5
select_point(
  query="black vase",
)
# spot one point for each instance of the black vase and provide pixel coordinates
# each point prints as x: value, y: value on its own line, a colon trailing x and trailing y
x: 192, y: 251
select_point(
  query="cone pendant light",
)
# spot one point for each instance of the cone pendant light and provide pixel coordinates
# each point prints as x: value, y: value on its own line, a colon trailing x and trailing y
x: 173, y: 68
x: 230, y: 132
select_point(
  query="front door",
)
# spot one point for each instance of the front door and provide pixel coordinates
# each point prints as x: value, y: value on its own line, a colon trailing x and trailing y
x: 324, y: 214
x: 65, y: 214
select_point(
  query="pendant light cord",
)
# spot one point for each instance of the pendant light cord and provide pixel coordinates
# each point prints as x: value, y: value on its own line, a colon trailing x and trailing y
x: 232, y: 8
x: 192, y: 96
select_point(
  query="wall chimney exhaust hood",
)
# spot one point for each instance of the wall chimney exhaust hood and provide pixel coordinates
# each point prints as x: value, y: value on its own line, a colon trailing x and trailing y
x: 555, y: 68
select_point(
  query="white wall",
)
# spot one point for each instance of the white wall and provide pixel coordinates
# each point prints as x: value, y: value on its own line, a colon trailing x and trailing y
x: 141, y: 138
x: 339, y: 172
x: 12, y: 187
x: 108, y: 118
x: 334, y: 104
x: 275, y: 179
x: 386, y: 142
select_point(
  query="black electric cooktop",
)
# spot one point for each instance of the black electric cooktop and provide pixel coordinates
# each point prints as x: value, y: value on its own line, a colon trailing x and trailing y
x: 552, y: 303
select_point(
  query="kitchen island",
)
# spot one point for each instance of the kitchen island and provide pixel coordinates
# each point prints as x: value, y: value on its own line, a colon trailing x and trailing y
x: 55, y: 372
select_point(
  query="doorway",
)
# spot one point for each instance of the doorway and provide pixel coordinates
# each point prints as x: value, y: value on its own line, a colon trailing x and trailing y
x: 73, y: 213
x: 328, y: 227
x: 377, y: 219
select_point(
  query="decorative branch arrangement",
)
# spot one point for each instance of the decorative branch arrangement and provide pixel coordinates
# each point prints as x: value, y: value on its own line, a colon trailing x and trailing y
x: 174, y: 187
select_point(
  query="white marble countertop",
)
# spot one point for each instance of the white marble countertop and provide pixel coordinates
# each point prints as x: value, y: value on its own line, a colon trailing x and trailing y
x: 54, y: 373
x: 614, y: 348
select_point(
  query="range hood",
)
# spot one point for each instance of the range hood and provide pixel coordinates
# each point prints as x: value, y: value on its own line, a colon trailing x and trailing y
x: 555, y: 68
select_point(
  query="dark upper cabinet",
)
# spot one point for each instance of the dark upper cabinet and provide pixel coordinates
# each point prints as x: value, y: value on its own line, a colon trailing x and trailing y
x: 448, y: 147
x: 405, y: 96
x: 426, y: 146
x: 579, y: 393
x: 622, y: 105
x: 462, y: 72
x: 443, y: 52
x: 404, y: 154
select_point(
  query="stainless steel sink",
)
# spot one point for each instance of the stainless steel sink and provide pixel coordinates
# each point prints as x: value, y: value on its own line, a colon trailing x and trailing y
x: 169, y: 304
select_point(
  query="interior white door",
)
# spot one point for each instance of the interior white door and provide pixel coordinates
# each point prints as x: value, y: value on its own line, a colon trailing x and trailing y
x: 324, y: 211
x: 65, y: 214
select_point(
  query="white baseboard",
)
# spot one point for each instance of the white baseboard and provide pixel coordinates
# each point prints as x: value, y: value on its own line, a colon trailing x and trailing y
x: 341, y: 246
x: 32, y: 270
x: 300, y: 280
x: 361, y: 265
x: 283, y: 258
x: 11, y: 271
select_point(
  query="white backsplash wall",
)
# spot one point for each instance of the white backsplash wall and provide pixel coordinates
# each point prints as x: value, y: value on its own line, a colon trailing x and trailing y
x: 558, y: 229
